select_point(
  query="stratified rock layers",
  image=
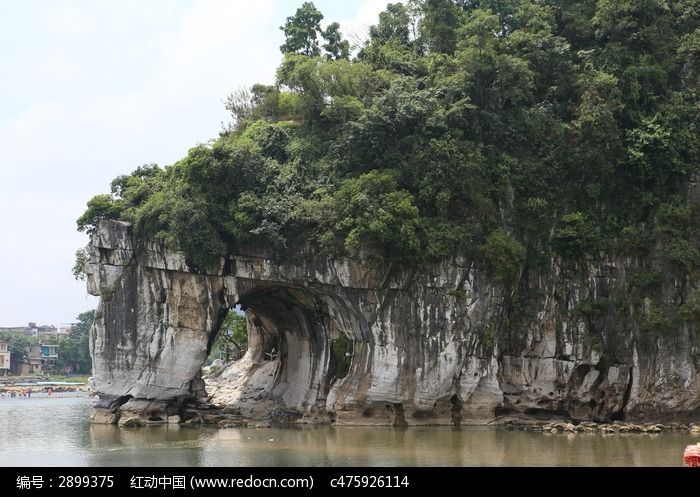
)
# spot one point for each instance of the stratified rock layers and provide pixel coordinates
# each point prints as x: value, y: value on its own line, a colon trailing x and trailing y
x: 431, y: 345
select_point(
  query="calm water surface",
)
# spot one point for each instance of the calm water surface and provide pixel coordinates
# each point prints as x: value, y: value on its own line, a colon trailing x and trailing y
x: 56, y: 432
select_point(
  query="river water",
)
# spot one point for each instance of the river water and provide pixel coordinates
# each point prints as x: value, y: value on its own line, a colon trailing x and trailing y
x: 56, y: 432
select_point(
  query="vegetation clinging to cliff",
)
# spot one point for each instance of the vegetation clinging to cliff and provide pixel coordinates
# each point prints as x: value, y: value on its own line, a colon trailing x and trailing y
x: 505, y: 131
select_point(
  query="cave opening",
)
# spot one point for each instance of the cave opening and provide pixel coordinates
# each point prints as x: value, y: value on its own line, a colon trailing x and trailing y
x: 295, y: 348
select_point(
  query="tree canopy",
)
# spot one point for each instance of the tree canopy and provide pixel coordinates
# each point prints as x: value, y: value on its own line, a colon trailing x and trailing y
x: 303, y: 30
x: 505, y: 131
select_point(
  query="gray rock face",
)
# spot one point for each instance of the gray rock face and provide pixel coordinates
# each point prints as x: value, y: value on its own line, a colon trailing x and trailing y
x: 434, y: 345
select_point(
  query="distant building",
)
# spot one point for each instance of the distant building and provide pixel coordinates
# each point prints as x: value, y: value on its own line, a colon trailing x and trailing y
x: 63, y: 330
x: 39, y: 359
x: 5, y: 356
x: 14, y: 329
x: 33, y: 362
x: 32, y: 330
x: 47, y: 331
x: 49, y: 354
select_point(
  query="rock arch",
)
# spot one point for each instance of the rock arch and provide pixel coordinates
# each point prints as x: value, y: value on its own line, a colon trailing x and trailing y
x: 296, y: 326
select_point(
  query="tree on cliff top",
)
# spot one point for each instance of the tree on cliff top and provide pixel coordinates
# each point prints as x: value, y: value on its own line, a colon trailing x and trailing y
x: 549, y: 129
x: 302, y: 30
x: 336, y: 48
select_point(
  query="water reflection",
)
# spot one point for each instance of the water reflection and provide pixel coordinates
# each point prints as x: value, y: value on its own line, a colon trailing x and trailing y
x: 154, y: 446
x: 57, y: 432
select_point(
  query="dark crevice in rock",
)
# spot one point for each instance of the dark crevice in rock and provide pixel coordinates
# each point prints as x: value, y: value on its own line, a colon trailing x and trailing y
x: 620, y: 415
x: 456, y: 411
x: 396, y: 414
x: 113, y: 404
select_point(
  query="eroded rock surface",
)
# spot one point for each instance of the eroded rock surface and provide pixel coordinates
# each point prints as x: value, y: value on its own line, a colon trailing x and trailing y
x: 433, y: 345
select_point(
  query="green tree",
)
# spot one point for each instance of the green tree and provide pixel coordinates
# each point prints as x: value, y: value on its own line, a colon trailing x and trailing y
x: 98, y: 207
x: 74, y: 351
x: 393, y: 25
x: 372, y: 215
x: 499, y: 85
x: 576, y: 236
x: 335, y: 47
x: 441, y: 20
x: 79, y: 269
x: 301, y: 75
x: 504, y: 256
x: 302, y: 31
x: 232, y: 339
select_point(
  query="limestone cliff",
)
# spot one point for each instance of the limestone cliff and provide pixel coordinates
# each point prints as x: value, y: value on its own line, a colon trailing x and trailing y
x: 429, y: 345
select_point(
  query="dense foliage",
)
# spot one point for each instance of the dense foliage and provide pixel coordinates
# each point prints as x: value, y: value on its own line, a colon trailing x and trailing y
x: 506, y: 131
x: 74, y: 350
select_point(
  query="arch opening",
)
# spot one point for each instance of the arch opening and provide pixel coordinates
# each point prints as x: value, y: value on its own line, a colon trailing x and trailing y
x: 298, y: 349
x: 229, y: 343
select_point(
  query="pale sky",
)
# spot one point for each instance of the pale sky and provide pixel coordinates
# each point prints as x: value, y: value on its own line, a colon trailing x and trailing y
x: 92, y: 89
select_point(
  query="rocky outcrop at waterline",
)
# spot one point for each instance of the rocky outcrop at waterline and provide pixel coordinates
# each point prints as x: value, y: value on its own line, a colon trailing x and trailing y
x: 604, y: 428
x: 353, y: 342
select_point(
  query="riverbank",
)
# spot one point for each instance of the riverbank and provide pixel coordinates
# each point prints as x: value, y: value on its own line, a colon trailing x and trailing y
x: 209, y: 415
x: 36, y: 384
